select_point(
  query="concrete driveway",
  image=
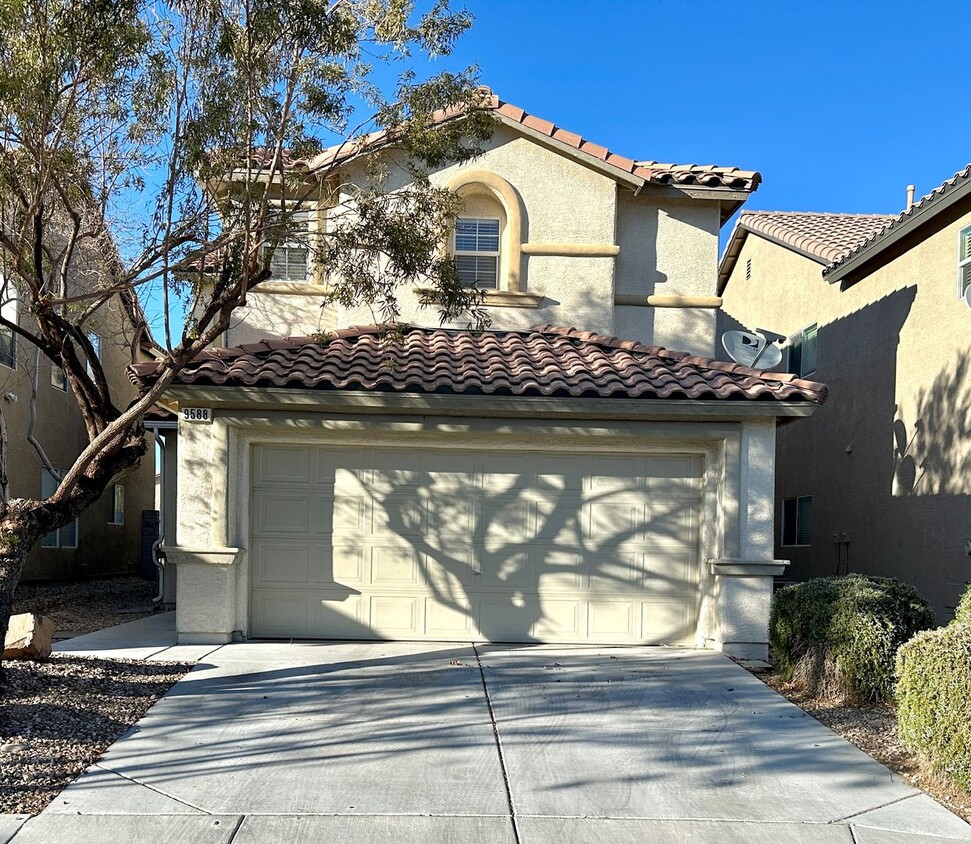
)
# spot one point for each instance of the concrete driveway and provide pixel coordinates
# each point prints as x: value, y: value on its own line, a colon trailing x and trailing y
x: 347, y: 742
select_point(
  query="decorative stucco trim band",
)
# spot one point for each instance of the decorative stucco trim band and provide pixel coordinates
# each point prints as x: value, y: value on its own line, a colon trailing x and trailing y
x: 747, y: 568
x: 634, y: 300
x: 181, y: 556
x: 573, y: 250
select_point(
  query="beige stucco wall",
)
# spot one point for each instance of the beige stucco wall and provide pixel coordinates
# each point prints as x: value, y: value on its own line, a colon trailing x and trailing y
x: 667, y: 246
x: 103, y: 548
x: 888, y: 458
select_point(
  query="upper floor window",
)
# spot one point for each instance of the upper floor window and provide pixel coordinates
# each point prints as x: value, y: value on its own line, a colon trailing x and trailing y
x: 8, y: 340
x: 291, y: 259
x: 477, y: 251
x: 802, y: 352
x: 797, y: 520
x: 58, y: 378
x: 964, y: 261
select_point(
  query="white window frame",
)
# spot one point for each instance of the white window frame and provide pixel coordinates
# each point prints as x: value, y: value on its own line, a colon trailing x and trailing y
x: 481, y: 253
x: 117, y: 505
x: 797, y: 343
x: 95, y: 340
x: 10, y: 312
x: 48, y: 484
x: 964, y: 261
x: 784, y: 525
x: 283, y: 249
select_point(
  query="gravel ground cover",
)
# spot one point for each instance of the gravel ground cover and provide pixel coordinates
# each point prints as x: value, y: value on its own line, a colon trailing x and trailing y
x: 873, y: 729
x: 57, y: 717
x: 90, y: 605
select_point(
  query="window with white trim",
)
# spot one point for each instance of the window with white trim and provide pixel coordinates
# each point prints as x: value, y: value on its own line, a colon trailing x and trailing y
x: 8, y: 340
x: 964, y: 260
x: 117, y: 505
x: 95, y: 342
x: 64, y: 537
x: 476, y: 251
x: 803, y: 351
x: 797, y: 520
x: 291, y: 259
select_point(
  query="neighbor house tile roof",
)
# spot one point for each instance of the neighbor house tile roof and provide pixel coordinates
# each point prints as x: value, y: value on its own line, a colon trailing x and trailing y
x: 683, y: 175
x: 545, y: 361
x: 823, y: 237
x: 925, y: 209
x: 826, y: 237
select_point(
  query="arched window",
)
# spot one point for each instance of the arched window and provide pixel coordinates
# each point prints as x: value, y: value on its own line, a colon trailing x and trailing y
x: 487, y: 242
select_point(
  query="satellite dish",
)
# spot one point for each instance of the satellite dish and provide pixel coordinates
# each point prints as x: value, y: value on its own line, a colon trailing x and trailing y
x: 754, y: 350
x: 967, y: 296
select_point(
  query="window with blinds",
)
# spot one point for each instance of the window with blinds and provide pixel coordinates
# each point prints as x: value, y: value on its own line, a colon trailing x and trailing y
x: 803, y: 352
x: 477, y: 251
x: 964, y: 261
x: 291, y: 259
x: 797, y: 520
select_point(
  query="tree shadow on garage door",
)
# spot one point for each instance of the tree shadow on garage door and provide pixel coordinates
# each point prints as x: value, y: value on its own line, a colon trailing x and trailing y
x: 553, y: 548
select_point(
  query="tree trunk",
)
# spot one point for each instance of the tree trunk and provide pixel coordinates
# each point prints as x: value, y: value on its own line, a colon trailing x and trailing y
x: 18, y: 533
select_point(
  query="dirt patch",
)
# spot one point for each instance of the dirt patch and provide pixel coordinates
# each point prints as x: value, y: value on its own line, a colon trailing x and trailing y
x: 90, y: 605
x: 873, y: 729
x: 57, y: 717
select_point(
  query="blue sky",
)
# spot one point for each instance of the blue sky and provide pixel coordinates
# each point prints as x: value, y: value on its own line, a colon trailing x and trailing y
x: 838, y: 105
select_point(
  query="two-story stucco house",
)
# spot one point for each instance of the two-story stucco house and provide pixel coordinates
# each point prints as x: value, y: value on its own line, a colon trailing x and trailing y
x: 522, y: 483
x: 879, y: 481
x: 41, y: 416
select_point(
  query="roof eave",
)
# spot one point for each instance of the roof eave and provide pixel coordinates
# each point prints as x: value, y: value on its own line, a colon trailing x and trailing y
x: 893, y: 234
x: 247, y: 398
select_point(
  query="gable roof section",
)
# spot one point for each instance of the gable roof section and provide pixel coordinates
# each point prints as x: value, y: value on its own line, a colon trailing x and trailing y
x: 545, y: 361
x: 821, y: 237
x: 903, y: 225
x: 689, y: 178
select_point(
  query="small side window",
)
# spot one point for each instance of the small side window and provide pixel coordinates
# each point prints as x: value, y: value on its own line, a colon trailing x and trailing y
x: 803, y: 351
x: 117, y: 505
x: 58, y: 378
x: 95, y: 341
x: 8, y: 340
x: 797, y: 521
x: 964, y: 261
x: 290, y: 261
x: 477, y: 251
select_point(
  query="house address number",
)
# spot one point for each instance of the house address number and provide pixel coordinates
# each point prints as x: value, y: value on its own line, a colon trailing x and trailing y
x: 197, y: 414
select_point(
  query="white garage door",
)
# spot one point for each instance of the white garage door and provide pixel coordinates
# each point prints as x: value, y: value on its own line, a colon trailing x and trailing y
x: 505, y: 547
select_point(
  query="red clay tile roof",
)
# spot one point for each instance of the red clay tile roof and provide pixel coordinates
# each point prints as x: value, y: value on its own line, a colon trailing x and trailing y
x: 920, y: 212
x: 545, y: 361
x: 158, y: 413
x: 682, y: 175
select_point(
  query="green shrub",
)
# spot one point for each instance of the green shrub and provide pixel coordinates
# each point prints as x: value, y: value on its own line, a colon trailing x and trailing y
x: 838, y: 636
x: 963, y: 612
x: 934, y: 699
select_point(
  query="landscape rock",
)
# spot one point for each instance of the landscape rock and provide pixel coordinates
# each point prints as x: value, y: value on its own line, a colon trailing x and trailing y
x: 28, y: 637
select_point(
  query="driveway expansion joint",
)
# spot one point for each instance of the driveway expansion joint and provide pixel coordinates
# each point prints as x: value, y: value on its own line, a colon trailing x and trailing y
x: 876, y: 808
x: 495, y: 732
x: 151, y: 788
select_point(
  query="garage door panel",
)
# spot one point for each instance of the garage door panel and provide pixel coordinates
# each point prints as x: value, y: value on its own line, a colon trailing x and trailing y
x: 452, y: 544
x: 284, y: 464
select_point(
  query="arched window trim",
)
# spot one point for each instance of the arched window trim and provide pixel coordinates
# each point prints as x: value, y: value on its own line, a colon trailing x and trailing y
x: 484, y: 183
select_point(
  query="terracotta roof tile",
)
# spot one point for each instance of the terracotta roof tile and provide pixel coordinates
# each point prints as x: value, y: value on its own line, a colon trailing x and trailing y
x: 916, y: 212
x: 827, y: 237
x: 544, y: 361
x: 707, y: 175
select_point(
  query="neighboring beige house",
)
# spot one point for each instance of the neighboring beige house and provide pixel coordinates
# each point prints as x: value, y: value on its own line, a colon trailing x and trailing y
x: 879, y: 481
x: 106, y: 539
x: 519, y: 484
